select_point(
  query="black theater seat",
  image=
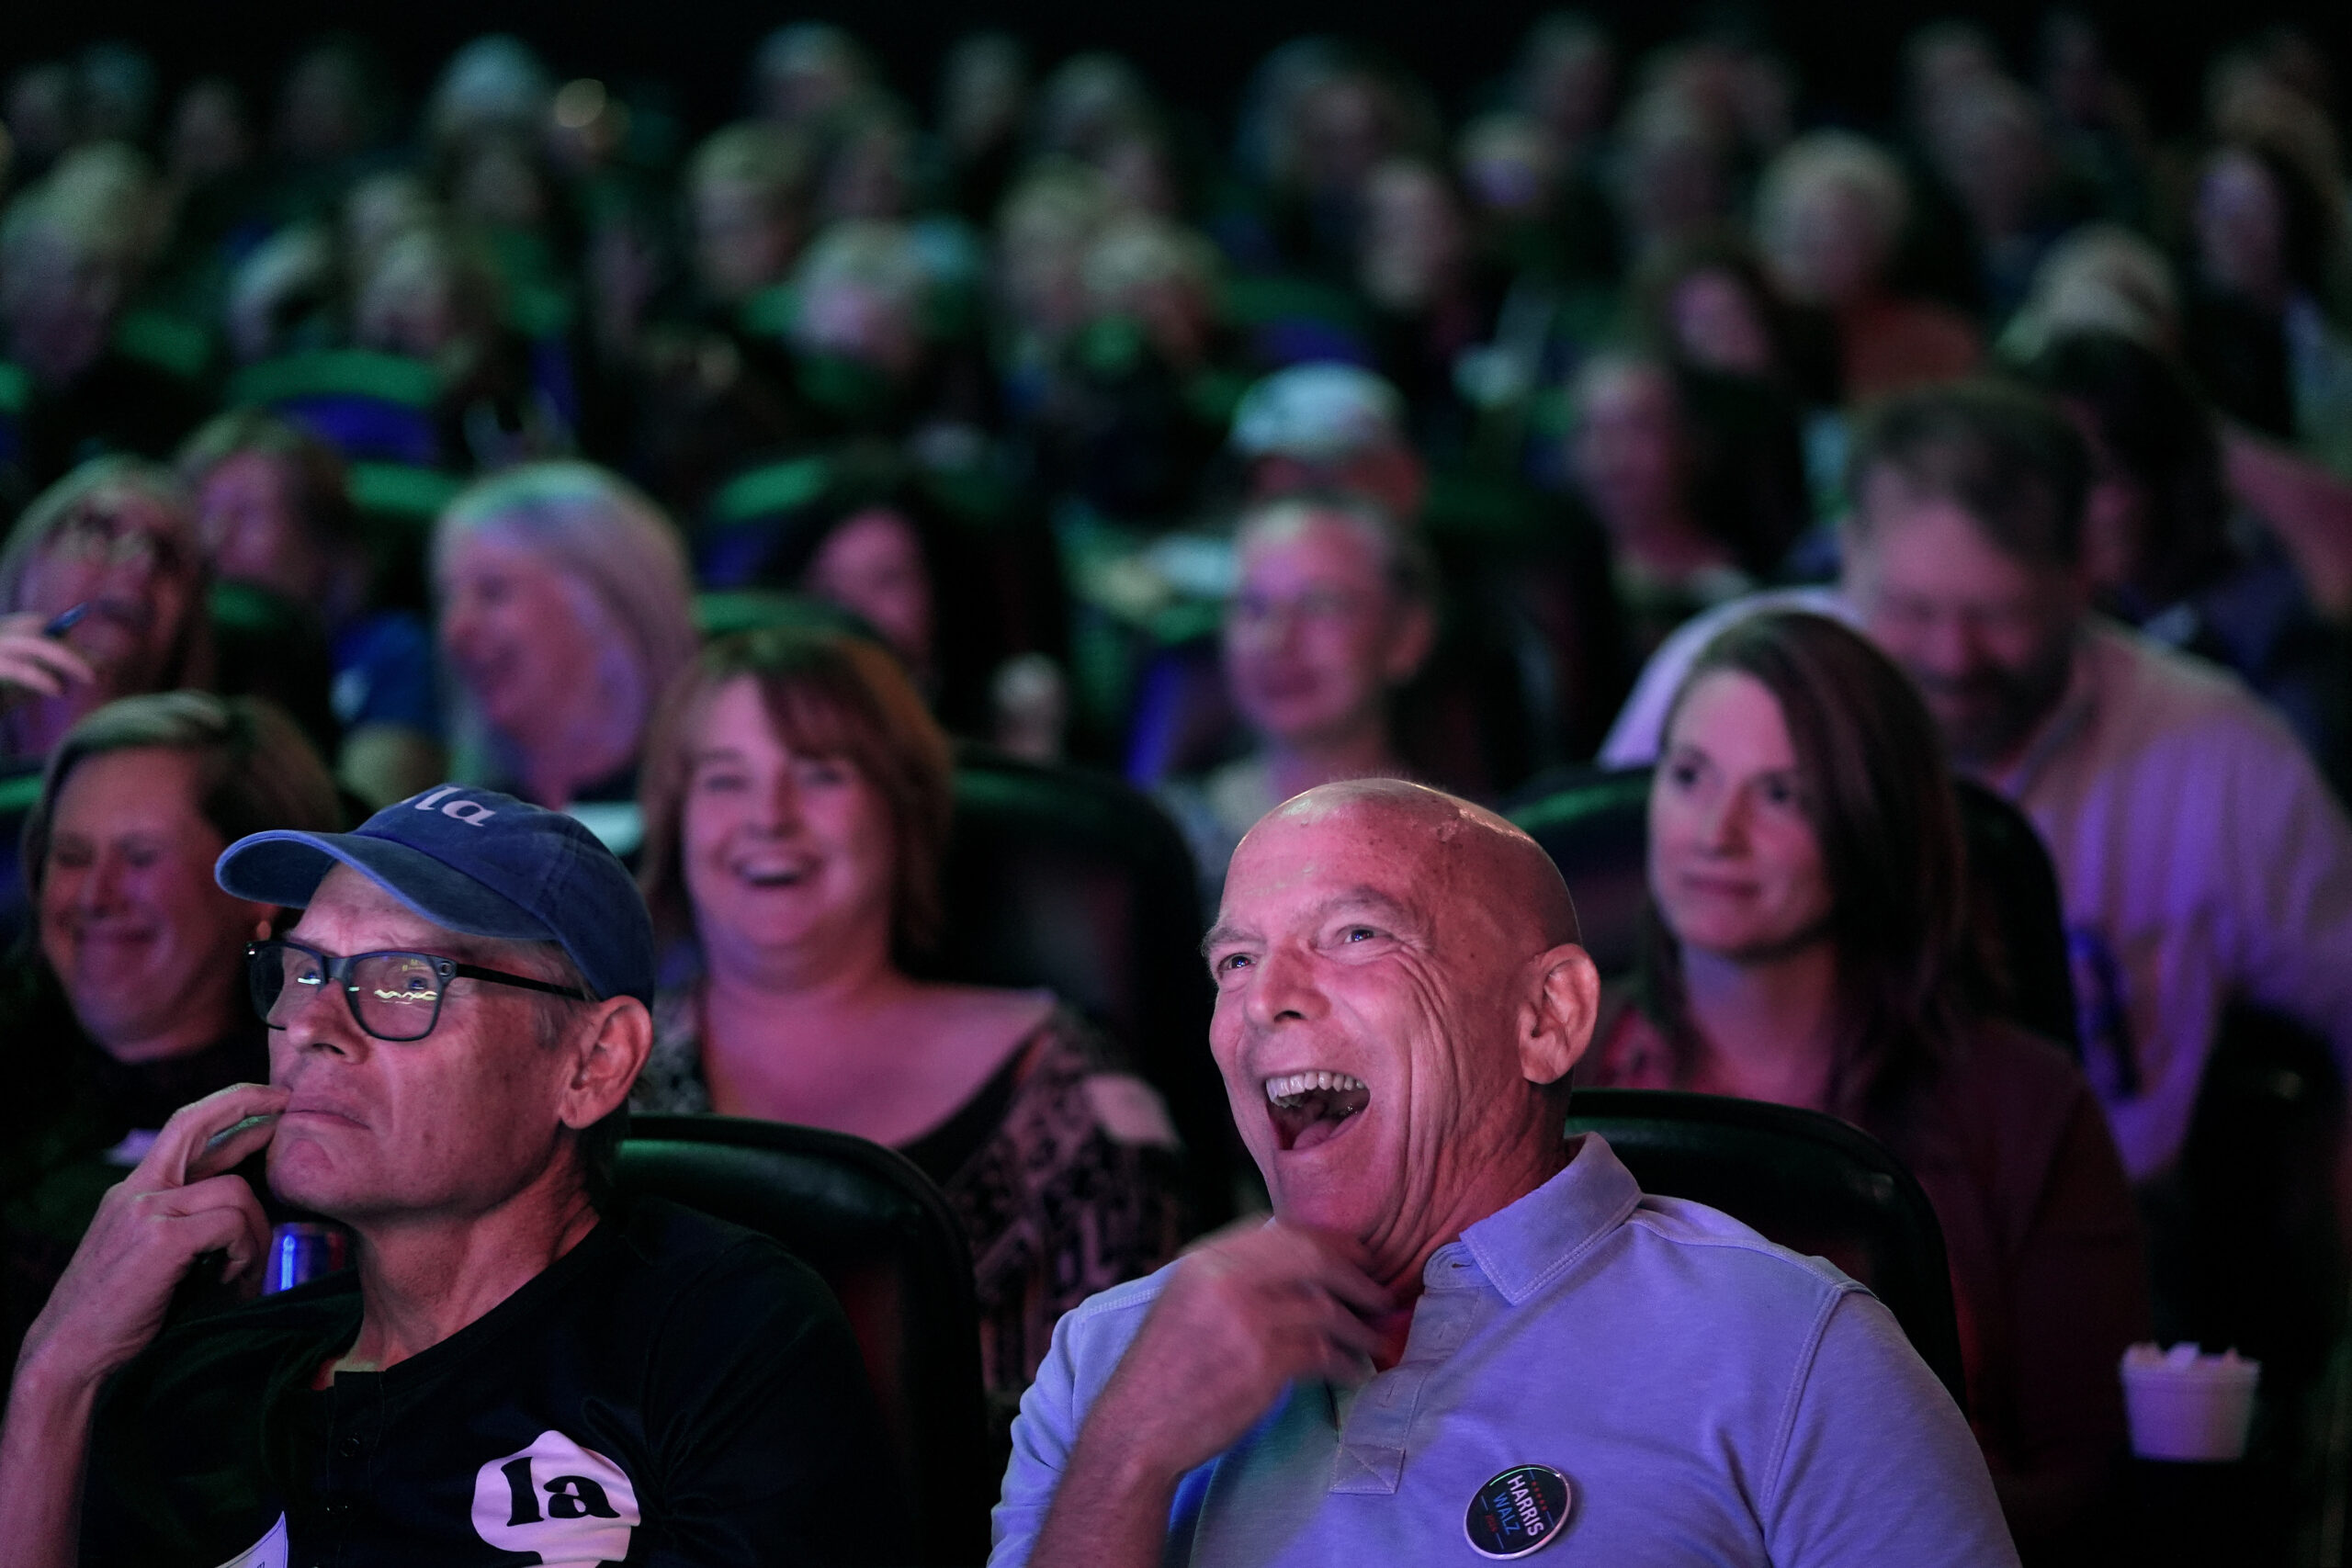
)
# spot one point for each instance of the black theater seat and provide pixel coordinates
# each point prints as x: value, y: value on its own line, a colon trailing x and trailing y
x: 1074, y: 881
x: 1807, y: 1180
x: 880, y: 1234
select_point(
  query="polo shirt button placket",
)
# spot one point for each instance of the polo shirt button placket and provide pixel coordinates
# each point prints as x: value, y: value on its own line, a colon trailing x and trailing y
x: 1377, y: 1432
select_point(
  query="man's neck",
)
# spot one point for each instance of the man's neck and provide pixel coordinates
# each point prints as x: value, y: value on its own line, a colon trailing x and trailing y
x: 2006, y: 769
x: 1492, y: 1186
x: 422, y: 1280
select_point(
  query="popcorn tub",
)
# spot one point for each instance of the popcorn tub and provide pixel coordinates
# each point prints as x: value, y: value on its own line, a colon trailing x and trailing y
x: 2188, y: 1406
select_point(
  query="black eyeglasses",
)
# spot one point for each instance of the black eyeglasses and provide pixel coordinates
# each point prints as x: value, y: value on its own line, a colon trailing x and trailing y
x: 393, y: 996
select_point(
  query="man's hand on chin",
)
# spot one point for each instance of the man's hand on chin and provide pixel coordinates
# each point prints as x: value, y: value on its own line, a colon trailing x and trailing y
x: 1245, y: 1316
x: 176, y: 1206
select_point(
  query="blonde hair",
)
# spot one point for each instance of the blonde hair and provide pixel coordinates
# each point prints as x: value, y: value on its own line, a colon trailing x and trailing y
x: 605, y: 535
x: 1842, y: 160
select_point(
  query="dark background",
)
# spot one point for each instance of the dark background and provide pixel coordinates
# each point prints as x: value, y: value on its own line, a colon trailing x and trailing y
x: 1195, y: 53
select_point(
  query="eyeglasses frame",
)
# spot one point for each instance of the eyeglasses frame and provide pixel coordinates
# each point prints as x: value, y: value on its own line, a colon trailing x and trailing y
x: 339, y: 970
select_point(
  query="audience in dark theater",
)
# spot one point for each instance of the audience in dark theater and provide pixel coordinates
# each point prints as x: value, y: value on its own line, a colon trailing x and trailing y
x: 1330, y: 611
x: 1400, y: 1000
x: 714, y: 1374
x: 2200, y: 856
x: 746, y: 589
x: 273, y: 509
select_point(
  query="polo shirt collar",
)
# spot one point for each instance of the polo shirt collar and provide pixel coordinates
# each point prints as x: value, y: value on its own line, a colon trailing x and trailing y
x: 1525, y: 1245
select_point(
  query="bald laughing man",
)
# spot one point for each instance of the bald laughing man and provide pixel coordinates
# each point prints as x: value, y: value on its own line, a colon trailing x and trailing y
x: 1462, y: 1337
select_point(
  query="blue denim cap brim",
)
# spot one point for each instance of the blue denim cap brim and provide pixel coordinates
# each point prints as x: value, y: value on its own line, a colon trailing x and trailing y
x: 285, y: 867
x: 475, y: 862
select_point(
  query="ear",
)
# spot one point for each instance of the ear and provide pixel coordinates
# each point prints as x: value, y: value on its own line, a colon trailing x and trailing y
x: 1415, y: 634
x: 1556, y: 1023
x: 606, y: 1062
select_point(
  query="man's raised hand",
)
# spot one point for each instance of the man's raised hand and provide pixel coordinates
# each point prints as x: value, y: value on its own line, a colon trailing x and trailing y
x: 1244, y: 1315
x: 177, y: 1204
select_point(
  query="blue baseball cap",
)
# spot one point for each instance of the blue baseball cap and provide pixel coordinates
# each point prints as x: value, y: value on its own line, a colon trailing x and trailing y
x: 476, y: 861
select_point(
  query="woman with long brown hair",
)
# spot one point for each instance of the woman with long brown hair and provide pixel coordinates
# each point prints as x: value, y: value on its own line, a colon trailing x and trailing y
x: 1810, y: 944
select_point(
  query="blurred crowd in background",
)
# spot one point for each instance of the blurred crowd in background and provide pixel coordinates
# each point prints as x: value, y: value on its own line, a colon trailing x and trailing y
x: 995, y: 361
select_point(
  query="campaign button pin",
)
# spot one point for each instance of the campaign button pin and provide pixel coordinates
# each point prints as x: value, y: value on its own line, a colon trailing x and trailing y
x: 1518, y: 1512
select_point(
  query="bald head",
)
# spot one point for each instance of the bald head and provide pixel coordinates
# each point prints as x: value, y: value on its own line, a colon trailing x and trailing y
x: 1470, y: 853
x: 1400, y: 998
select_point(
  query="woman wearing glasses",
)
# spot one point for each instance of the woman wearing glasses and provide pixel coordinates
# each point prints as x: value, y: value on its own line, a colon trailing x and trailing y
x: 102, y: 586
x: 796, y: 799
x: 130, y: 1003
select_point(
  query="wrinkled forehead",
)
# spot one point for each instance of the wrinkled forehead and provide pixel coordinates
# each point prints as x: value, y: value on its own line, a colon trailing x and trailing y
x: 1434, y: 859
x: 1309, y: 851
x: 350, y: 913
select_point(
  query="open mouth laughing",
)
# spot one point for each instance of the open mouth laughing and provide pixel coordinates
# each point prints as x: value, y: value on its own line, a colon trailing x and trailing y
x: 771, y: 872
x: 1311, y: 1108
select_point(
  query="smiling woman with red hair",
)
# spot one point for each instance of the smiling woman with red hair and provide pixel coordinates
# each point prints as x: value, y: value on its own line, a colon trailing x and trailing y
x: 797, y: 797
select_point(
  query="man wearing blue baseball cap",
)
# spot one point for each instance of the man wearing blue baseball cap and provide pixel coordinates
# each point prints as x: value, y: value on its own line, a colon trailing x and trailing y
x: 455, y: 1023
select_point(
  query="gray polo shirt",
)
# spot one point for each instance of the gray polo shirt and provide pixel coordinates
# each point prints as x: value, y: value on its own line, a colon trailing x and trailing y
x: 1712, y: 1399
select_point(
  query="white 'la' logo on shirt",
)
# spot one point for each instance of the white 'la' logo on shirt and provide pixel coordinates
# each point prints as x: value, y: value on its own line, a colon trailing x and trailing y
x: 570, y: 1506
